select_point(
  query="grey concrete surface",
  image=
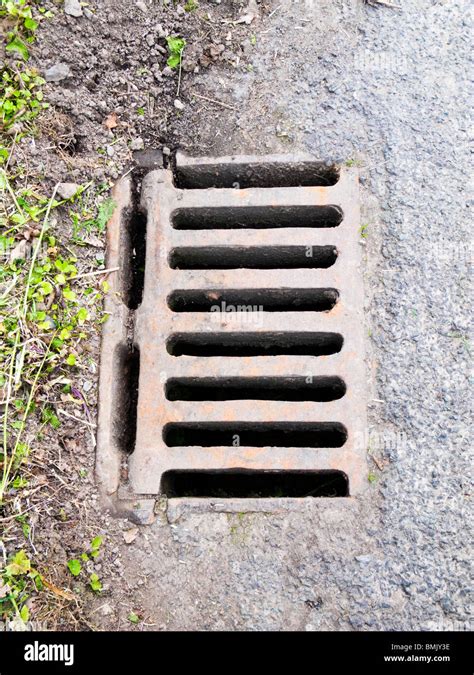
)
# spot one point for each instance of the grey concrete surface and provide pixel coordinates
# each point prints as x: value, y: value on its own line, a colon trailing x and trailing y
x: 386, y: 88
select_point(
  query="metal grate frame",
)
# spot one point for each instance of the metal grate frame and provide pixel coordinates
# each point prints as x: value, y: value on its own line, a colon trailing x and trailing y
x: 154, y: 328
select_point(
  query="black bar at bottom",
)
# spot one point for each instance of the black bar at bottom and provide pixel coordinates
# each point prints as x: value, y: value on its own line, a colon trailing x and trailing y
x: 434, y: 652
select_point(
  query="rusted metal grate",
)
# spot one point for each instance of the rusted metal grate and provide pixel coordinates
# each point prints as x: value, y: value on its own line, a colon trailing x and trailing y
x: 240, y: 363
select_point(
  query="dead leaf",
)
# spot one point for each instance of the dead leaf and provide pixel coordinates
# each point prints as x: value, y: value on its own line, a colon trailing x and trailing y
x: 21, y: 251
x: 66, y: 595
x: 111, y: 121
x: 94, y: 241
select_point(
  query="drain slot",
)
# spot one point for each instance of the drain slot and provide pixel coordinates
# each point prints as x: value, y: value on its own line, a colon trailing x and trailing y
x: 253, y: 344
x: 256, y: 174
x: 127, y: 371
x: 256, y: 217
x: 255, y: 434
x: 252, y: 300
x: 252, y: 257
x: 247, y: 484
x: 255, y: 388
x: 133, y: 267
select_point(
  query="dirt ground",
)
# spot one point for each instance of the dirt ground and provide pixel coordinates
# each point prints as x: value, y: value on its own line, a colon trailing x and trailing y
x: 257, y: 77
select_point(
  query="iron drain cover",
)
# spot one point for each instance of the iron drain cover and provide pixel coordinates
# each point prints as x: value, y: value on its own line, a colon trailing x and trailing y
x: 233, y: 357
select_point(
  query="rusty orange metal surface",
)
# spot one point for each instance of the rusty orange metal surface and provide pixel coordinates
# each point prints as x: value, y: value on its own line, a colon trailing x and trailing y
x: 154, y: 323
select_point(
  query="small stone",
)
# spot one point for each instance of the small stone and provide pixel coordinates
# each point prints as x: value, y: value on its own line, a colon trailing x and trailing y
x: 137, y: 144
x: 157, y: 73
x: 179, y: 105
x: 87, y: 386
x: 150, y: 39
x: 72, y: 7
x: 142, y: 6
x: 166, y: 150
x: 407, y: 587
x: 110, y: 151
x: 67, y: 190
x: 162, y: 33
x: 130, y: 535
x: 106, y: 610
x: 180, y: 11
x: 58, y: 72
x: 446, y: 605
x: 168, y: 72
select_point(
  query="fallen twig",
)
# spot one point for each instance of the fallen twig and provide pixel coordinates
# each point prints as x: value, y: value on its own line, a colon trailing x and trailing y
x: 97, y: 273
x: 213, y: 100
x: 78, y: 419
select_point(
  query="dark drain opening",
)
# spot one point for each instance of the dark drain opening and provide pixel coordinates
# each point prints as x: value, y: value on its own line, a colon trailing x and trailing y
x: 253, y: 300
x: 133, y: 270
x: 255, y: 434
x: 247, y: 484
x: 126, y: 397
x: 255, y: 174
x: 256, y: 217
x: 253, y: 344
x: 255, y: 388
x: 252, y: 257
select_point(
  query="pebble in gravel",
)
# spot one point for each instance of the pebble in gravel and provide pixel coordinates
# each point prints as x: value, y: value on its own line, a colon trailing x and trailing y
x: 137, y: 144
x: 58, y: 72
x: 67, y: 190
x: 72, y: 7
x: 142, y: 6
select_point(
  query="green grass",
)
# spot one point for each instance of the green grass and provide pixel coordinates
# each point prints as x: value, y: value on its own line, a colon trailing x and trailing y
x: 48, y: 309
x: 44, y: 316
x: 90, y: 212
